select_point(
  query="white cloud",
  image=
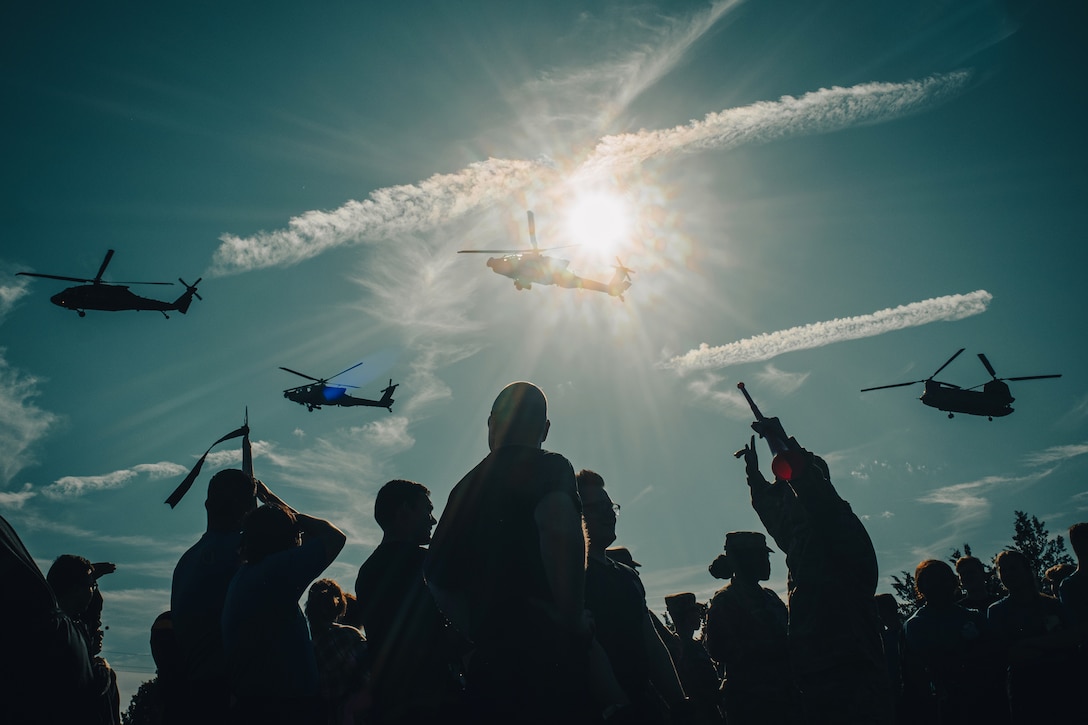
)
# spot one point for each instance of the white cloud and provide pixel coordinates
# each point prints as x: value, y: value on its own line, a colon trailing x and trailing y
x: 1056, y: 454
x: 70, y: 486
x: 22, y: 423
x: 16, y: 499
x: 11, y: 290
x: 818, y: 334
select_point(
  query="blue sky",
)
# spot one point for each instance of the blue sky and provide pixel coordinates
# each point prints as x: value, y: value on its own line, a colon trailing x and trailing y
x: 816, y: 198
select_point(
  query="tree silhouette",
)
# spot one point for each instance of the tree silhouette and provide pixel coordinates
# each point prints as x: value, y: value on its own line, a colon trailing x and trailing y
x: 1030, y: 537
x: 1033, y: 541
x: 146, y: 707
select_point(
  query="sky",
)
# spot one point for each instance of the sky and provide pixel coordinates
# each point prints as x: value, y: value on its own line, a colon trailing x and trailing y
x: 815, y: 197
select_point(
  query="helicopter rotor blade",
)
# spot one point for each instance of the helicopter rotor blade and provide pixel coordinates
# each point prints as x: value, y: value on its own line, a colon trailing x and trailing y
x: 1033, y: 377
x: 947, y: 362
x: 894, y: 385
x: 54, y: 276
x: 532, y: 228
x: 192, y: 287
x: 494, y: 251
x: 105, y: 263
x: 343, y: 371
x: 115, y: 283
x: 301, y: 375
x: 989, y: 367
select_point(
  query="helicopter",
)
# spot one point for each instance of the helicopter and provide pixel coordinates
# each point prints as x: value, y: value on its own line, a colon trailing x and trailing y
x: 526, y: 266
x: 111, y: 297
x: 319, y: 393
x: 993, y: 400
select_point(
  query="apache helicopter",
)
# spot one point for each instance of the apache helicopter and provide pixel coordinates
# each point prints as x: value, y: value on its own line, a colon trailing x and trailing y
x: 993, y: 400
x: 526, y: 266
x: 111, y: 297
x: 319, y: 393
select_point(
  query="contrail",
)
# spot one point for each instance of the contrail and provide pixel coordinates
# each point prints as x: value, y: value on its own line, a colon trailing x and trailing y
x: 822, y: 111
x: 409, y: 208
x: 818, y: 334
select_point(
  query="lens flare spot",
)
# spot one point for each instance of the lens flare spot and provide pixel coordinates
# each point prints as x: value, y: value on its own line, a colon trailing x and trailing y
x: 599, y: 221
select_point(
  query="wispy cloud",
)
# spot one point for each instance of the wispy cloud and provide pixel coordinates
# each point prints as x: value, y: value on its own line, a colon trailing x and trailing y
x: 818, y: 334
x: 592, y: 98
x: 70, y: 486
x: 16, y: 499
x: 392, y: 212
x: 1056, y: 454
x: 11, y: 290
x: 970, y: 503
x: 822, y: 111
x: 22, y: 423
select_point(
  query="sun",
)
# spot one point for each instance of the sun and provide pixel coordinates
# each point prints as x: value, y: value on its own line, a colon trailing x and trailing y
x: 599, y: 221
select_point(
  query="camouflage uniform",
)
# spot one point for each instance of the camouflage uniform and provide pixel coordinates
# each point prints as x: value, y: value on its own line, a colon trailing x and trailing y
x: 834, y: 632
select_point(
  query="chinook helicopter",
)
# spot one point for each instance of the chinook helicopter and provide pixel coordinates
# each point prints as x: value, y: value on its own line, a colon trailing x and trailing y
x: 526, y: 266
x: 994, y: 400
x: 319, y: 393
x: 115, y: 296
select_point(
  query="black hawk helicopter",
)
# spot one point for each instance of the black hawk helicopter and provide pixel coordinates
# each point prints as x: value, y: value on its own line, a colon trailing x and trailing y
x: 320, y: 393
x: 993, y: 400
x: 526, y: 266
x: 111, y: 297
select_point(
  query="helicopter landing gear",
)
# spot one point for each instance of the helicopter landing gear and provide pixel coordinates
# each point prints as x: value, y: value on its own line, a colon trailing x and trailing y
x: 989, y: 417
x: 951, y: 416
x: 81, y: 313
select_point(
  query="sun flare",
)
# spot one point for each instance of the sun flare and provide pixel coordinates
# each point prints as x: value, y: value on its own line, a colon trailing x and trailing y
x: 599, y: 221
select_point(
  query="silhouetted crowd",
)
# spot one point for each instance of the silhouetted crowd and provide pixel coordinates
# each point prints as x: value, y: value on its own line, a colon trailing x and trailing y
x: 519, y: 609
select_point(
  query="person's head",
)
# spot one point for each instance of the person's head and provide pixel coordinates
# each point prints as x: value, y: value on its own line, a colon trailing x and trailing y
x: 1052, y: 578
x: 685, y: 612
x: 231, y: 495
x: 936, y: 583
x: 972, y: 573
x: 748, y: 555
x: 268, y: 530
x: 73, y: 582
x: 352, y: 615
x: 325, y: 603
x: 1014, y: 571
x: 519, y: 416
x: 1078, y: 540
x: 403, y: 510
x: 888, y: 610
x: 598, y: 510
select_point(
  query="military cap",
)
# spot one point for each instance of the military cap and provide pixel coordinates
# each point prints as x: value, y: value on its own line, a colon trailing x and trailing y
x: 682, y: 602
x: 621, y: 554
x: 736, y: 540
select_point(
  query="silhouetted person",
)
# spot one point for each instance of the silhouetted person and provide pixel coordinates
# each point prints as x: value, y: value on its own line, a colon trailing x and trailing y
x: 201, y: 692
x: 507, y: 566
x: 746, y: 633
x: 1073, y: 594
x: 693, y: 663
x: 834, y: 632
x: 270, y: 658
x: 617, y: 600
x: 948, y: 672
x: 975, y: 582
x: 74, y: 580
x: 407, y: 634
x: 887, y: 608
x: 45, y: 671
x: 1040, y: 642
x: 1074, y: 588
x: 341, y: 654
x: 1054, y: 576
